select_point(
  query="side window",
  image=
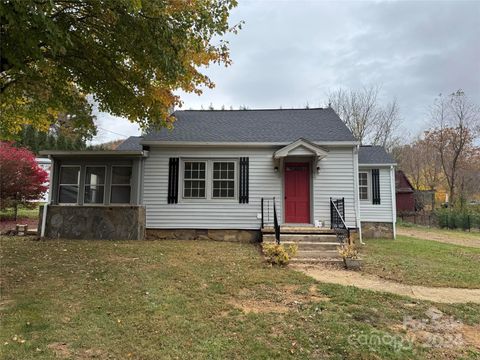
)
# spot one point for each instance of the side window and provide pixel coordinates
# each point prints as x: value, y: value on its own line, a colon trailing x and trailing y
x: 94, y: 185
x: 121, y: 187
x: 363, y: 185
x: 223, y: 180
x: 68, y: 184
x: 194, y: 178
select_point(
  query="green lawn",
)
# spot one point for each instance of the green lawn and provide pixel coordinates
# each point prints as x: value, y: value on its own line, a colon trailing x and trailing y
x: 423, y: 262
x: 23, y: 212
x: 191, y: 300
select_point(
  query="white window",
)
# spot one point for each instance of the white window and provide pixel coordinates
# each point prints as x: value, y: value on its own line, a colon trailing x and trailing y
x: 121, y: 187
x: 94, y: 184
x: 363, y: 185
x: 194, y: 179
x: 68, y: 184
x: 223, y: 180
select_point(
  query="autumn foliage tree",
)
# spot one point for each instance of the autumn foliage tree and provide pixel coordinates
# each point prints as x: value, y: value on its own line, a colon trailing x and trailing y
x: 21, y: 179
x: 129, y: 55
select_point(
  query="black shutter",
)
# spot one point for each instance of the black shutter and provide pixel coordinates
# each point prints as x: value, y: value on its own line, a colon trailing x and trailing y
x: 173, y: 180
x: 243, y: 183
x: 375, y: 187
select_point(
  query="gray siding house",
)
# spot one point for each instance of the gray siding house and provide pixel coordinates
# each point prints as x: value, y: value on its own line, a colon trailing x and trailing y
x: 223, y: 175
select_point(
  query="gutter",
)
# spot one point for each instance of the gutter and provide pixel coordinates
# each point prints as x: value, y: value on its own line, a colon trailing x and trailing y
x: 49, y: 198
x: 356, y: 193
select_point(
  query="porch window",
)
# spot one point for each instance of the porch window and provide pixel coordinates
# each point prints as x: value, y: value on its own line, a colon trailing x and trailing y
x: 223, y: 179
x: 94, y: 184
x: 68, y: 184
x: 194, y: 178
x: 121, y: 187
x: 363, y: 185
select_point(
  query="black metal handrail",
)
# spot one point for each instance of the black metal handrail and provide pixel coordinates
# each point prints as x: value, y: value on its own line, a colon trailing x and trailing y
x: 266, y: 216
x: 337, y: 219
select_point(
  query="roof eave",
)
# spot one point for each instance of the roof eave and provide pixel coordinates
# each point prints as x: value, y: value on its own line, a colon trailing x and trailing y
x: 376, y: 164
x: 241, y: 144
x: 93, y: 153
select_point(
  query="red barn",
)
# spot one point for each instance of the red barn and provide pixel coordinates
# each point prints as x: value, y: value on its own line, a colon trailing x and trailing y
x: 405, y: 193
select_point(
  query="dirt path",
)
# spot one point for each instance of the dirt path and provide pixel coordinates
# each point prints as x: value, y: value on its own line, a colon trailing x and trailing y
x: 371, y: 282
x: 449, y: 238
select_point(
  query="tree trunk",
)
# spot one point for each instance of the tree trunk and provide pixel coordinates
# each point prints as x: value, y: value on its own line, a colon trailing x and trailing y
x: 15, y: 211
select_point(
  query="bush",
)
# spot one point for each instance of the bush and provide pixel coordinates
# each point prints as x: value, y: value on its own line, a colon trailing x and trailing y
x: 348, y: 251
x: 457, y: 219
x: 279, y: 254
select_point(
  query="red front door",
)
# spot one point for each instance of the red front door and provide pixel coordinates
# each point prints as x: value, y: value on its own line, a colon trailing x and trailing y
x: 297, y: 193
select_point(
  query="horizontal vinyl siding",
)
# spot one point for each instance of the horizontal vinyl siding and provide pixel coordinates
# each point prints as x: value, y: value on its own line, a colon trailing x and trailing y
x: 335, y: 179
x: 383, y: 211
x: 209, y: 214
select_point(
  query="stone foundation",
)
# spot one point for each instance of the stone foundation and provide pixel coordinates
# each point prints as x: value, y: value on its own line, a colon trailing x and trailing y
x: 375, y: 230
x: 244, y: 236
x: 94, y: 222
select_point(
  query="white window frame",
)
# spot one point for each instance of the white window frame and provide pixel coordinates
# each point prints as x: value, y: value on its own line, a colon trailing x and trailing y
x: 367, y: 173
x: 104, y: 185
x: 208, y: 180
x: 205, y: 180
x: 79, y: 167
x: 112, y: 184
x: 235, y: 176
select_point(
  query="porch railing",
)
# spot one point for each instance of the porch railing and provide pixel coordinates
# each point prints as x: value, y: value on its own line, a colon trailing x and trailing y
x: 269, y: 216
x: 337, y: 219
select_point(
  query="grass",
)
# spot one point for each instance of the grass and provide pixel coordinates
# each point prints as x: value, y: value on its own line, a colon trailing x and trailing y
x: 23, y: 212
x: 192, y: 300
x: 423, y: 262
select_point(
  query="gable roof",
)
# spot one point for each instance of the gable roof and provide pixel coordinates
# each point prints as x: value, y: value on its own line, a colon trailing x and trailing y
x: 305, y: 146
x: 255, y: 126
x: 374, y: 155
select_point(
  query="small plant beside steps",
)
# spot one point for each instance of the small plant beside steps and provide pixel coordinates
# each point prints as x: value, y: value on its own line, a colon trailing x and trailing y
x: 277, y: 254
x: 350, y: 256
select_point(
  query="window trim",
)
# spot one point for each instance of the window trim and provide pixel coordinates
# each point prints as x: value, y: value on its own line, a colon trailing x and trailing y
x: 367, y: 186
x: 235, y: 178
x: 112, y: 185
x: 104, y: 202
x: 204, y: 180
x: 79, y: 167
x: 208, y: 179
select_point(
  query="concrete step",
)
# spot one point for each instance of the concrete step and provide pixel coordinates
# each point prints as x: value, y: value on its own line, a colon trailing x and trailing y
x: 321, y: 254
x: 307, y: 245
x: 319, y: 238
x: 316, y: 261
x: 298, y: 230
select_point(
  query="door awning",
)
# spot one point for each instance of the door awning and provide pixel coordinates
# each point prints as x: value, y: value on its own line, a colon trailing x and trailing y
x: 301, y: 147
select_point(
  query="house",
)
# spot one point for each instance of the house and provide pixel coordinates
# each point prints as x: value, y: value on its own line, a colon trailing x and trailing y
x: 405, y: 193
x: 225, y: 174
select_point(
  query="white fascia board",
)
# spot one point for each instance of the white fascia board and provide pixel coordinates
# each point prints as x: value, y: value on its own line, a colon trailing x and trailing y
x: 377, y: 165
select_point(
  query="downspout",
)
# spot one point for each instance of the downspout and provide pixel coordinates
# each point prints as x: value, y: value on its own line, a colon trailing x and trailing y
x: 394, y: 201
x: 356, y: 193
x: 49, y: 197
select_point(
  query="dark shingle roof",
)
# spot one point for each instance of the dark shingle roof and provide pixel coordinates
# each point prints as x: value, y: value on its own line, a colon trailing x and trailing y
x: 372, y: 154
x: 282, y: 125
x: 130, y: 144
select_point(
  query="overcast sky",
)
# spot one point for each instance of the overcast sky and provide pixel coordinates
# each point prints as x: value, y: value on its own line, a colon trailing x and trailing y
x: 290, y: 53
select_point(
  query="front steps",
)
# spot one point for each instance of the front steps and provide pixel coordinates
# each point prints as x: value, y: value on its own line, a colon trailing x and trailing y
x: 314, y: 244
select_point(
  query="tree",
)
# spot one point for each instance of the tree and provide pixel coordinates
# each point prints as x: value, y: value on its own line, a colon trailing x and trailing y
x: 365, y: 117
x: 130, y: 55
x: 456, y: 127
x: 21, y: 179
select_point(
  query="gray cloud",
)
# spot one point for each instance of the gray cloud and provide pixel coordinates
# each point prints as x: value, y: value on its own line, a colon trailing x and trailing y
x: 292, y: 52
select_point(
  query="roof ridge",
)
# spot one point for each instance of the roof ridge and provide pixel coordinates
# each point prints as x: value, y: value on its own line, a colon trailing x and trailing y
x: 230, y: 110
